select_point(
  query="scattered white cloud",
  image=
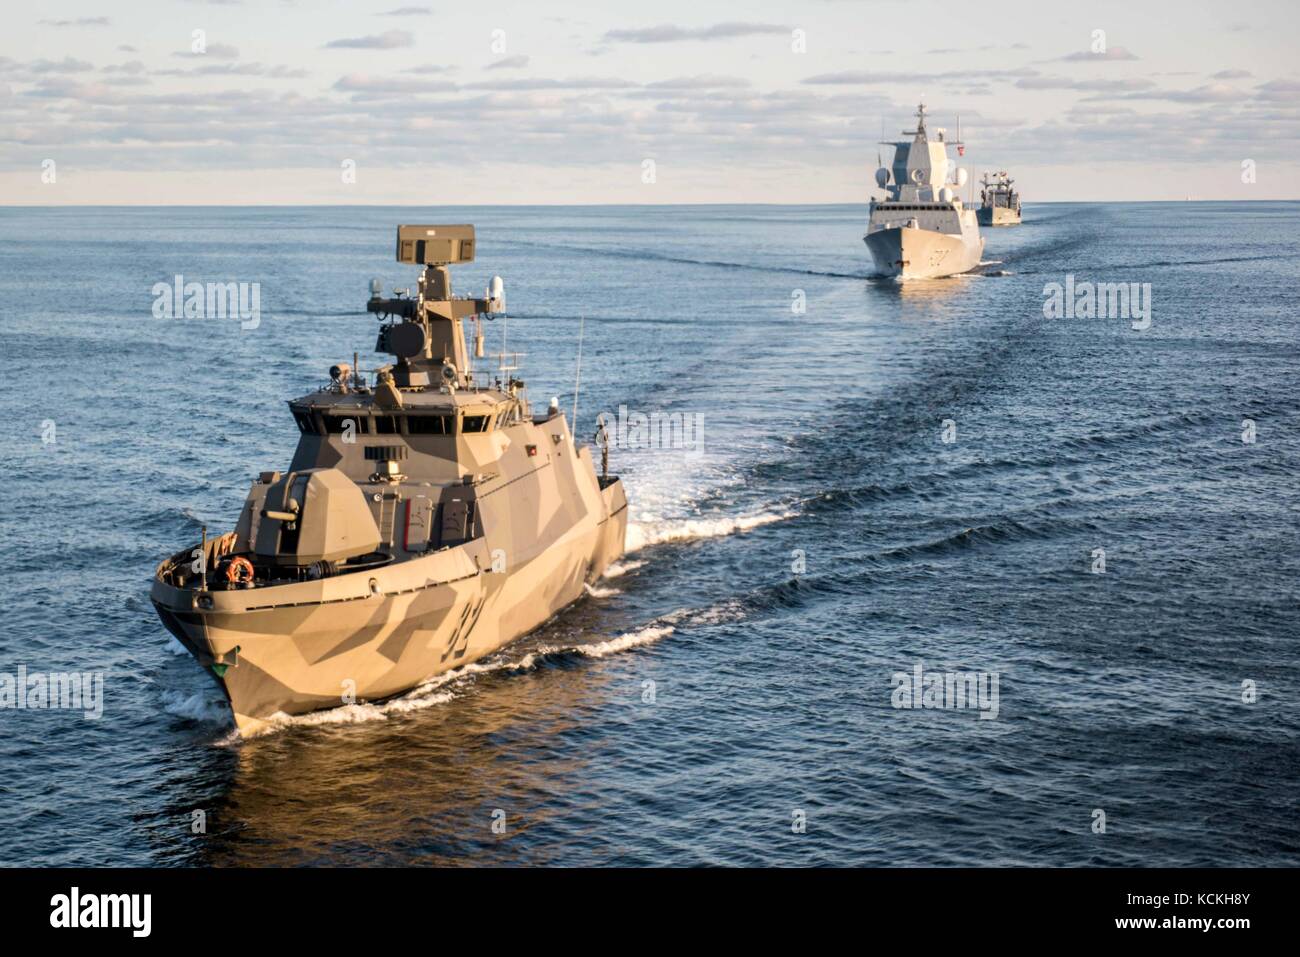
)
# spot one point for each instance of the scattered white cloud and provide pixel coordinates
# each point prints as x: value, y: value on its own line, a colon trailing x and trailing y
x: 374, y: 86
x: 1110, y: 53
x: 509, y: 63
x: 670, y: 33
x: 66, y: 65
x: 1132, y: 84
x: 79, y: 22
x: 215, y: 51
x: 131, y: 66
x: 1287, y: 91
x: 882, y: 77
x: 702, y: 82
x: 389, y: 40
x: 741, y: 107
x: 541, y: 83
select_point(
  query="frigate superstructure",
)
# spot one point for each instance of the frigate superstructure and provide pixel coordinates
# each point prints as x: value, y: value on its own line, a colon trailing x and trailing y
x: 999, y: 201
x: 428, y: 518
x: 921, y: 229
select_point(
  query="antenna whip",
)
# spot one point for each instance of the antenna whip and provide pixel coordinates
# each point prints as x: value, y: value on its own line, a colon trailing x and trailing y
x: 577, y: 381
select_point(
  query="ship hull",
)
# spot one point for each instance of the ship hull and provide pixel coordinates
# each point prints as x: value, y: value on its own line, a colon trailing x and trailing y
x: 998, y: 216
x: 911, y: 253
x: 370, y: 635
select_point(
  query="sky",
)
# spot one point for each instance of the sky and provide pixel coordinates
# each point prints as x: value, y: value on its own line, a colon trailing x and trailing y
x: 568, y: 101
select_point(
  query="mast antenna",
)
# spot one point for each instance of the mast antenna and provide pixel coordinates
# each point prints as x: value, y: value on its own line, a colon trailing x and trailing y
x: 577, y: 382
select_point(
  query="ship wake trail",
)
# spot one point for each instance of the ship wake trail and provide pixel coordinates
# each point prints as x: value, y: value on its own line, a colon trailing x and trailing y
x: 646, y: 534
x: 641, y: 255
x: 602, y: 649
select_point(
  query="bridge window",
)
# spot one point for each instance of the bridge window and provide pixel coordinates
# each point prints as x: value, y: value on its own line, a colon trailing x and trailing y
x: 475, y: 423
x: 336, y: 424
x: 386, y: 425
x: 428, y: 424
x: 306, y: 424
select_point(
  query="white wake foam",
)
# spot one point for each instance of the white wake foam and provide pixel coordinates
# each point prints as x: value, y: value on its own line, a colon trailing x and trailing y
x: 417, y: 700
x: 601, y: 591
x: 196, y: 707
x: 619, y: 569
x: 601, y: 649
x: 646, y: 533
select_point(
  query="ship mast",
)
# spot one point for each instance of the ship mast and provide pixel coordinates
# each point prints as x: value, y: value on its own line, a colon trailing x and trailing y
x: 428, y: 336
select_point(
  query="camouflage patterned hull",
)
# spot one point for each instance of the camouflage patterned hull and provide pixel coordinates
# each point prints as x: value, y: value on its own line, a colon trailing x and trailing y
x: 369, y: 635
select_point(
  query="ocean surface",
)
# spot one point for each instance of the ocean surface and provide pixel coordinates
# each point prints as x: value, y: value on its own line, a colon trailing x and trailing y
x: 901, y: 474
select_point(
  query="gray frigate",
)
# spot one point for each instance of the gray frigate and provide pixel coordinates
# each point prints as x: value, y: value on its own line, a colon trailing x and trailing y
x: 428, y: 517
x: 921, y: 229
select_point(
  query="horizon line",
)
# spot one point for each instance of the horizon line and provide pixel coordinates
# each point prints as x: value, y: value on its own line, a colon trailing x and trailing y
x: 1044, y: 202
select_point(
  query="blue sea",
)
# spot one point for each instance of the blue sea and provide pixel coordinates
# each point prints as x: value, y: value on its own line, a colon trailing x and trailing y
x: 891, y: 476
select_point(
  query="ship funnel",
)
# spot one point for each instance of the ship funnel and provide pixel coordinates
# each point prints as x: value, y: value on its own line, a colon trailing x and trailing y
x: 882, y: 177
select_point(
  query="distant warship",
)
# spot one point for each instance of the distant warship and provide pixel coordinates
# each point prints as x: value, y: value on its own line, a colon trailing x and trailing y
x: 999, y: 202
x: 427, y: 519
x: 921, y: 229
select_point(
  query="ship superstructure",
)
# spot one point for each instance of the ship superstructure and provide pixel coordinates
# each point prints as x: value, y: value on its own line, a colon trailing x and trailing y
x: 921, y: 229
x: 999, y: 201
x: 428, y: 517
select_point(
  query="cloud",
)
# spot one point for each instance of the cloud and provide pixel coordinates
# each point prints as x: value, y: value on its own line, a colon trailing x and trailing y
x: 1232, y: 75
x: 1110, y: 53
x: 669, y: 33
x: 1212, y: 93
x: 868, y: 77
x: 539, y: 83
x: 127, y: 48
x: 278, y: 72
x: 729, y: 116
x: 408, y: 12
x: 131, y: 67
x: 79, y: 22
x: 509, y: 63
x: 389, y: 40
x: 1084, y: 86
x: 984, y: 48
x: 217, y: 51
x: 1285, y: 90
x: 66, y: 65
x: 59, y: 89
x: 702, y: 82
x: 374, y: 86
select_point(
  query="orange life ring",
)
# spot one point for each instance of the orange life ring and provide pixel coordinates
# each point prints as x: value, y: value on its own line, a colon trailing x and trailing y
x: 239, y: 570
